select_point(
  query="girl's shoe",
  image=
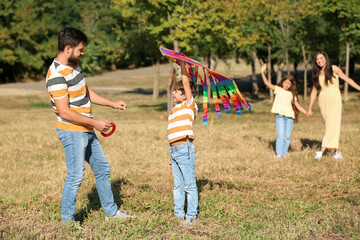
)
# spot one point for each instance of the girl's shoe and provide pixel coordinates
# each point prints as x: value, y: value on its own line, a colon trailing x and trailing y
x: 318, y: 155
x: 337, y: 155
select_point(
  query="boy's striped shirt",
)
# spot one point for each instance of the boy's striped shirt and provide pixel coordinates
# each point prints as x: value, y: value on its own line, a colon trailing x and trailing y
x: 63, y: 81
x: 181, y: 120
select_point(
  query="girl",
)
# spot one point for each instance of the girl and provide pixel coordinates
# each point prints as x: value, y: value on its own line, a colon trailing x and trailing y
x: 286, y: 107
x: 326, y: 80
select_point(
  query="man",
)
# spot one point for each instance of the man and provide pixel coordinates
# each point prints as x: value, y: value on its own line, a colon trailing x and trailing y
x: 75, y: 125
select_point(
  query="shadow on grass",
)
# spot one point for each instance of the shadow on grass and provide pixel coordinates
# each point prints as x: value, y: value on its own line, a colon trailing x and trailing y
x: 308, y: 143
x: 94, y: 201
x: 228, y: 185
x: 272, y: 145
x: 160, y: 107
x: 143, y: 91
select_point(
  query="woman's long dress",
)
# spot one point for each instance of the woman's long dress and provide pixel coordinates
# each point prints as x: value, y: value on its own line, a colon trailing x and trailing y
x: 330, y: 107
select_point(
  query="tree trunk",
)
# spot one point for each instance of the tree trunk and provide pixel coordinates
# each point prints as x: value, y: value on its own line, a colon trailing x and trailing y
x: 305, y: 70
x: 156, y: 80
x: 170, y: 102
x: 287, y: 61
x: 213, y: 63
x: 269, y: 73
x: 255, y: 87
x: 175, y: 69
x: 346, y: 86
x: 279, y: 73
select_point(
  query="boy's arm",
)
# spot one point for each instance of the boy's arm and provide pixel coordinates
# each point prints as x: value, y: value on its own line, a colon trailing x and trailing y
x: 186, y: 81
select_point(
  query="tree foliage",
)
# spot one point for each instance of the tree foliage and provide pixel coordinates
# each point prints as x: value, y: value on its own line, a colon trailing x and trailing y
x: 124, y: 32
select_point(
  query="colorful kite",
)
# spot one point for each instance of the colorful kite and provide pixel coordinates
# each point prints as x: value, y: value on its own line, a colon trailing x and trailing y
x: 220, y: 85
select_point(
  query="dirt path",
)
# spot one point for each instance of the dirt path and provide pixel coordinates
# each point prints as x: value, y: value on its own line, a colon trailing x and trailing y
x: 146, y: 71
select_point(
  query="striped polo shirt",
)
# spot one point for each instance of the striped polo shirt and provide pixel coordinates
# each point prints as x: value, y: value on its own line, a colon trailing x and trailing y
x: 63, y: 81
x: 181, y: 120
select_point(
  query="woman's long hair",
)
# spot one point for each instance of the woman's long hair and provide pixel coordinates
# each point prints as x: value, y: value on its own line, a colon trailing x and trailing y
x: 316, y: 71
x: 294, y: 91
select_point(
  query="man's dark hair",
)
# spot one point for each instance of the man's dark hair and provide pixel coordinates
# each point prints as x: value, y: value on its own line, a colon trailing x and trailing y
x: 70, y: 36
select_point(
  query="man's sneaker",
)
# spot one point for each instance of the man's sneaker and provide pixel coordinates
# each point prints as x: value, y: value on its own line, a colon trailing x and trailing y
x: 337, y: 155
x: 318, y: 155
x: 121, y: 214
x: 189, y: 222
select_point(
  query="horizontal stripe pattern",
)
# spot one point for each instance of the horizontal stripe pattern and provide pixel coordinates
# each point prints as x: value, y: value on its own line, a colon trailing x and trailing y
x: 63, y: 81
x: 181, y: 120
x: 73, y: 127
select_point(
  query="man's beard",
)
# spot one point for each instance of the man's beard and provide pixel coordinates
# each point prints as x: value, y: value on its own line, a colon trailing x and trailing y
x: 73, y: 61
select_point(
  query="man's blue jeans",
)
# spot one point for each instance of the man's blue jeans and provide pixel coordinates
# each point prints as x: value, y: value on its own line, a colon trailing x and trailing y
x: 80, y: 147
x: 284, y: 127
x: 183, y: 167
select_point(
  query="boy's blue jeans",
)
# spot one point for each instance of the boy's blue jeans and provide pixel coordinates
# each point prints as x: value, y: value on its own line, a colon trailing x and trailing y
x: 80, y: 147
x: 183, y: 167
x: 284, y: 127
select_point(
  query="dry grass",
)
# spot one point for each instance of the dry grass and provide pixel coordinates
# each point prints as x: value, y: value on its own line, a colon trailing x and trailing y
x: 244, y: 192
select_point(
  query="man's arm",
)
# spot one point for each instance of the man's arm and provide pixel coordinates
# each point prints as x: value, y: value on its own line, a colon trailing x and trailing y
x: 100, y: 100
x: 62, y: 105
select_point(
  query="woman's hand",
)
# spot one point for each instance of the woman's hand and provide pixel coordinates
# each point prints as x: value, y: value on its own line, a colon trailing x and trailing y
x: 309, y: 113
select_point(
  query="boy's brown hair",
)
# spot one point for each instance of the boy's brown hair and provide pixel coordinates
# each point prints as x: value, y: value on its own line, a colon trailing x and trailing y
x: 180, y: 87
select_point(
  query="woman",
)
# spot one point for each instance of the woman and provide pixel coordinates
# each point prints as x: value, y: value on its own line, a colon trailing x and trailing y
x: 326, y: 80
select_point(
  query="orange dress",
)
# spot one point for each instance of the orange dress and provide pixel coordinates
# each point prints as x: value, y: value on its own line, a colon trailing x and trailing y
x: 330, y: 106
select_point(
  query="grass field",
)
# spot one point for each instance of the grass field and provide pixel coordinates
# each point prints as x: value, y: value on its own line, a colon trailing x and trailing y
x: 244, y: 193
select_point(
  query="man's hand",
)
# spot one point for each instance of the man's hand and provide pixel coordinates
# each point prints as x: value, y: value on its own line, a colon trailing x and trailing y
x: 102, y: 125
x: 119, y: 105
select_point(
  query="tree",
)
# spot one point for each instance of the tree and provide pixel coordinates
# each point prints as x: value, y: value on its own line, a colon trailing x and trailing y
x: 346, y: 15
x: 28, y: 38
x: 314, y: 33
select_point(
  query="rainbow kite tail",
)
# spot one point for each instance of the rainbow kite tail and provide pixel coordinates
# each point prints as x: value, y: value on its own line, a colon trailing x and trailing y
x: 215, y: 98
x: 239, y: 101
x: 231, y: 88
x: 235, y: 103
x: 224, y: 97
x: 191, y: 72
x: 248, y: 106
x: 205, y: 104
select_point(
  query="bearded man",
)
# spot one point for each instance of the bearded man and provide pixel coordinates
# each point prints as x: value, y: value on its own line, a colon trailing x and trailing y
x: 71, y: 99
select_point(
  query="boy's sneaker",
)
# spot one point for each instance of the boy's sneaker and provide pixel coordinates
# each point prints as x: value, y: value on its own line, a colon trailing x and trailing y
x: 121, y: 214
x: 337, y: 155
x: 179, y: 220
x: 318, y: 155
x: 74, y: 224
x: 189, y: 222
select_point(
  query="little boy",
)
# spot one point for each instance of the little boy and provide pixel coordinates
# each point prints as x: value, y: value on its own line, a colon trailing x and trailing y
x: 182, y: 150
